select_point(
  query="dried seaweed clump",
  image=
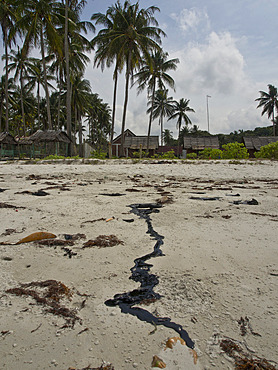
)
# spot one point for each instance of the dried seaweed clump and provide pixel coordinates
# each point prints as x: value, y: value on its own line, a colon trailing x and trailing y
x: 244, y: 360
x: 49, y: 294
x: 102, y: 367
x: 103, y: 241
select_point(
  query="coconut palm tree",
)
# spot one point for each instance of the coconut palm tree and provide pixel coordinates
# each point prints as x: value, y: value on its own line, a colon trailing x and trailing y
x: 19, y: 63
x: 269, y: 102
x: 105, y: 55
x: 154, y: 72
x: 181, y: 108
x: 11, y: 89
x: 162, y: 106
x: 135, y: 33
x: 38, y: 20
x: 36, y: 79
x: 7, y: 19
x: 81, y: 93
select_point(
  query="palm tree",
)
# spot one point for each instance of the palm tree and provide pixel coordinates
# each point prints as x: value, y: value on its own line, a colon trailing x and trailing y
x: 11, y: 89
x: 36, y: 79
x: 168, y: 137
x: 38, y: 20
x: 135, y: 32
x: 81, y: 93
x: 154, y: 71
x: 7, y: 19
x: 180, y: 110
x: 162, y: 106
x: 19, y: 64
x: 269, y: 102
x: 104, y: 55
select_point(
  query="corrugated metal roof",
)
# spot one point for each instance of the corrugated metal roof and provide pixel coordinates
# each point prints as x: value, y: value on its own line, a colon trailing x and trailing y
x: 256, y: 142
x: 200, y: 142
x: 136, y: 141
x: 7, y: 138
x: 49, y: 136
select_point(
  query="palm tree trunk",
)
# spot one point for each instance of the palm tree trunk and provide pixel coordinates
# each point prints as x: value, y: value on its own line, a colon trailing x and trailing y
x: 114, y: 104
x: 151, y: 117
x: 45, y: 83
x: 6, y: 80
x: 161, y: 123
x: 59, y: 99
x: 38, y: 99
x: 128, y: 67
x: 80, y: 136
x: 273, y: 120
x: 22, y: 105
x: 69, y: 129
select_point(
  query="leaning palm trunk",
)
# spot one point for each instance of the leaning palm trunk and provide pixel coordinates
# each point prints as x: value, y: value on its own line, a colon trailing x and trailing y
x: 128, y: 67
x: 59, y: 99
x: 45, y: 83
x: 6, y: 81
x: 69, y: 129
x: 150, y: 120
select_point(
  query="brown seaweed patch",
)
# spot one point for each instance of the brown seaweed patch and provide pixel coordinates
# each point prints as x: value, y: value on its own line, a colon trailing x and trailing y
x: 49, y: 294
x: 55, y: 242
x: 6, y: 205
x: 242, y: 359
x: 103, y: 241
x: 102, y: 367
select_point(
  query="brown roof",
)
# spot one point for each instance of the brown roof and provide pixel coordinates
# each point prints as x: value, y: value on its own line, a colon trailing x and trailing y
x: 49, y: 136
x: 201, y: 142
x: 256, y: 142
x: 7, y: 138
x: 127, y: 132
x: 136, y: 141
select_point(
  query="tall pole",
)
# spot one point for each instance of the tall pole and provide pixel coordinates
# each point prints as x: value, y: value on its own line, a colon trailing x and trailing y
x: 208, y: 96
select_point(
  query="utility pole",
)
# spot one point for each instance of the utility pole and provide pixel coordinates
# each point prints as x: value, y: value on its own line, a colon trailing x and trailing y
x: 208, y: 96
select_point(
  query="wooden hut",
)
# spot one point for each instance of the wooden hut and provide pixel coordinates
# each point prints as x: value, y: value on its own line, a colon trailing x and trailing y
x: 8, y: 145
x: 117, y: 142
x: 49, y: 142
x: 134, y: 144
x: 195, y: 144
x: 254, y: 143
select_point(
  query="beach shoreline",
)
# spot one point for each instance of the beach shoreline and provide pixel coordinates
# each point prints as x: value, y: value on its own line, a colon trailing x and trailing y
x: 217, y: 275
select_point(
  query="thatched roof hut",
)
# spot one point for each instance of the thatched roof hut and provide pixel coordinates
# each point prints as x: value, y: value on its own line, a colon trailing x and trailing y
x: 195, y: 144
x: 133, y: 144
x: 8, y: 145
x: 44, y: 143
x: 49, y: 136
x: 254, y: 143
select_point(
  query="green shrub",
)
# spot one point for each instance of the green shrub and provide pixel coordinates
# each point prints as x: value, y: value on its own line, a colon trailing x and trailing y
x: 234, y: 151
x: 168, y: 155
x: 210, y: 153
x: 99, y: 154
x: 137, y: 154
x: 191, y: 156
x: 269, y: 151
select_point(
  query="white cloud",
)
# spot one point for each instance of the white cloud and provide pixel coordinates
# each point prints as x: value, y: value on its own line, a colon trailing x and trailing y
x: 215, y: 66
x: 191, y: 19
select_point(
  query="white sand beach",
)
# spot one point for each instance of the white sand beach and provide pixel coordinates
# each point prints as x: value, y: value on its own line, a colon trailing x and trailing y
x: 218, y: 275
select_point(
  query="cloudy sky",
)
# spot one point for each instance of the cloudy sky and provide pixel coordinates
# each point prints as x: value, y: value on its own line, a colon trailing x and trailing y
x: 227, y: 49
